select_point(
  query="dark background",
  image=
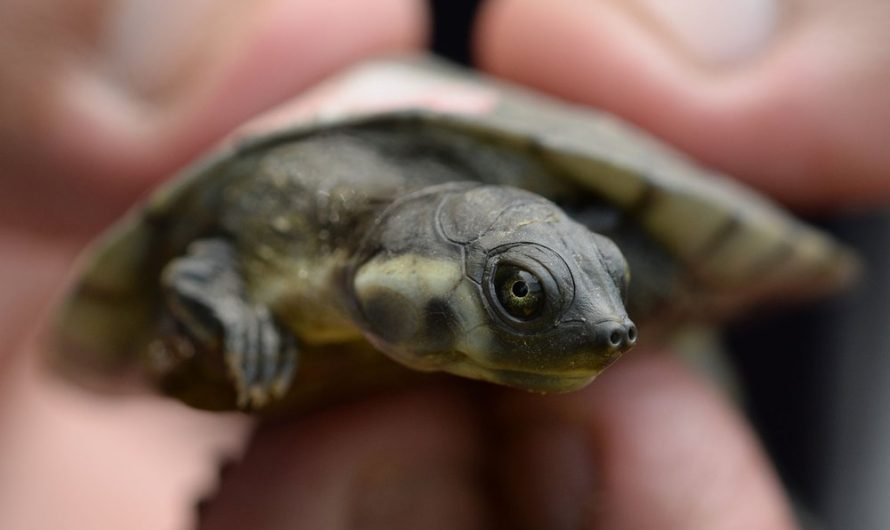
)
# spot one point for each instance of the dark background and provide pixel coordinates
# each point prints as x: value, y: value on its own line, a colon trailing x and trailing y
x: 817, y: 379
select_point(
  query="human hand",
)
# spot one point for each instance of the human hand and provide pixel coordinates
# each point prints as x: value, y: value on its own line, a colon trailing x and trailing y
x: 788, y: 96
x: 100, y: 101
x: 397, y: 460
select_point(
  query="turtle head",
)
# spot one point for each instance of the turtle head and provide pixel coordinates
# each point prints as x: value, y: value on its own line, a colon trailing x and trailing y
x: 494, y: 283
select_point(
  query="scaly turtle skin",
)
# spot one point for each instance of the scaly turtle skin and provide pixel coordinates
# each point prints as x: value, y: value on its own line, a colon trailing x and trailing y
x: 451, y: 222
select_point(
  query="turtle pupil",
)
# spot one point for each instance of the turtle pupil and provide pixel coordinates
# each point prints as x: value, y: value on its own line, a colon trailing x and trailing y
x: 519, y: 292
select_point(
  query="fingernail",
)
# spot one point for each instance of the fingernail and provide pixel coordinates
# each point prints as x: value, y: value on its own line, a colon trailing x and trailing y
x: 714, y: 33
x: 148, y: 44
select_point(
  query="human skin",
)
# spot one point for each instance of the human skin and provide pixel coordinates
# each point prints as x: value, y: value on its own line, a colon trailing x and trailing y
x: 119, y: 95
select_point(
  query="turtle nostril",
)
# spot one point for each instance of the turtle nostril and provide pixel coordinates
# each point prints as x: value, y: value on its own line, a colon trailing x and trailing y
x: 617, y: 336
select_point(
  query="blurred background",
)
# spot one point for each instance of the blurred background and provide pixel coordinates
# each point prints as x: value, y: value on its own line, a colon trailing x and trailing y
x: 816, y: 380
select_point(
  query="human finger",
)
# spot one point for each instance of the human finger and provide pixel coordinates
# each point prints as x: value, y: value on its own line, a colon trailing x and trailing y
x: 790, y: 97
x: 405, y: 461
x: 648, y: 445
x: 103, y: 99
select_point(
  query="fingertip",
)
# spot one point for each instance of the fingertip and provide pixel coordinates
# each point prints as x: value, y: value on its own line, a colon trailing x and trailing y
x: 253, y: 57
x: 601, y: 57
x: 111, y: 124
x: 784, y: 108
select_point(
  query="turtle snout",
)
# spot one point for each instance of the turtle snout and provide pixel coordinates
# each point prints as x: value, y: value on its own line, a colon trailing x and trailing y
x: 618, y: 336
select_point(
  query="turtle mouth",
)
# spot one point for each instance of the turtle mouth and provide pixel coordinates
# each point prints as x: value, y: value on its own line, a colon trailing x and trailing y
x: 544, y: 381
x: 541, y: 381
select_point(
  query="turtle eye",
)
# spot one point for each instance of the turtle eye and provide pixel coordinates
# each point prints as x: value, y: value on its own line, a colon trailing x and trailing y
x: 519, y: 292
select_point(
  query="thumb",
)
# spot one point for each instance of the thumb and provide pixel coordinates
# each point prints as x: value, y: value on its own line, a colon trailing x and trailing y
x: 127, y: 91
x: 791, y: 100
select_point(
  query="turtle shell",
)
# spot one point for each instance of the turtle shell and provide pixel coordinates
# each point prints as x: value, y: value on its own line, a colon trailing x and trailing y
x: 733, y: 246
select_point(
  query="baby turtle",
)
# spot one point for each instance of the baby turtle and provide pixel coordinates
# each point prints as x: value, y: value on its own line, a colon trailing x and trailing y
x: 448, y: 220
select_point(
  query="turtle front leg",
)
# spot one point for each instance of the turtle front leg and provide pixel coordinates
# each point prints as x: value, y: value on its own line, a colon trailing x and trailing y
x: 205, y: 295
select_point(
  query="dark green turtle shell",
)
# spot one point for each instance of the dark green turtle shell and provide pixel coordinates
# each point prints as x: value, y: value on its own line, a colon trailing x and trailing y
x: 732, y: 246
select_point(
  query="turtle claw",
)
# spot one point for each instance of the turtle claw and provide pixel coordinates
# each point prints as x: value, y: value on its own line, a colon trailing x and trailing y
x: 205, y: 295
x: 286, y: 367
x: 260, y: 358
